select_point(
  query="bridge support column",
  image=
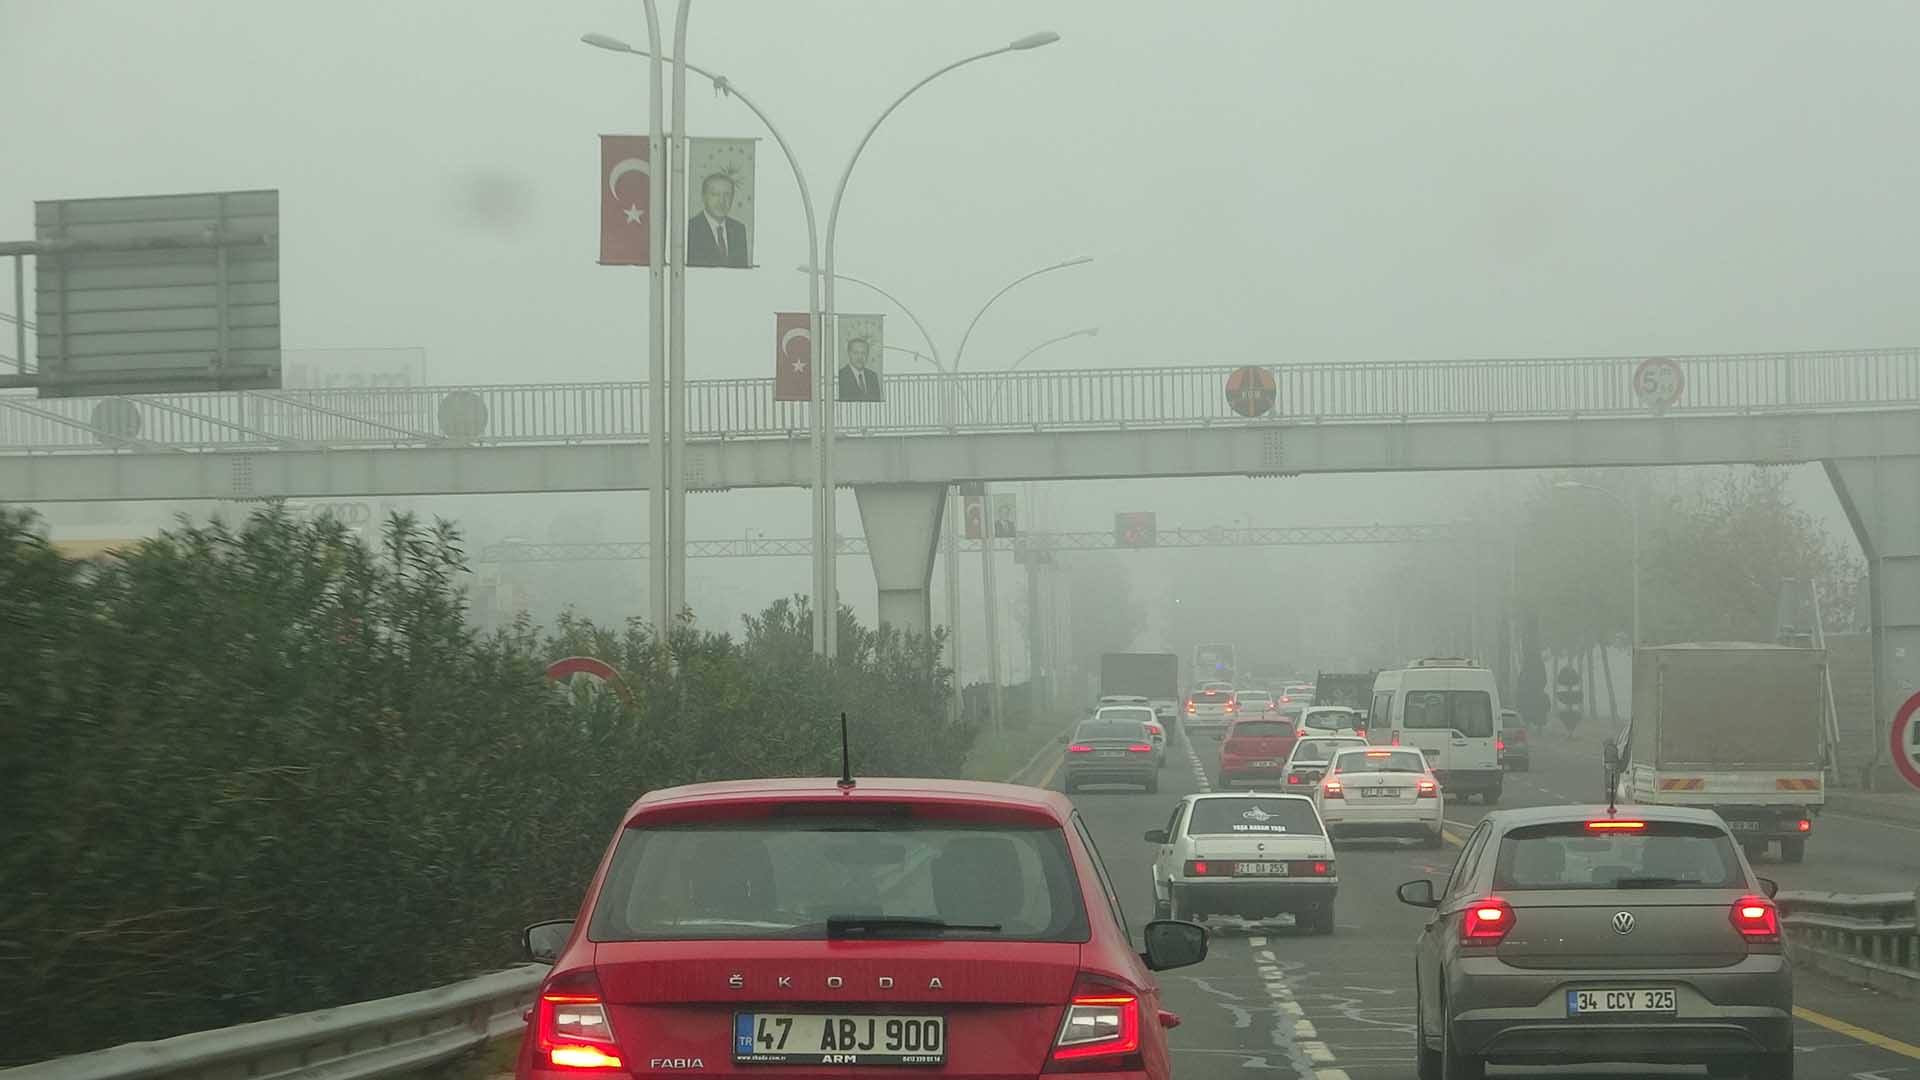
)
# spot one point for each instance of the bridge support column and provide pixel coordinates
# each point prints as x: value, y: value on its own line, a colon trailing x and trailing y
x: 902, y: 523
x: 1881, y: 496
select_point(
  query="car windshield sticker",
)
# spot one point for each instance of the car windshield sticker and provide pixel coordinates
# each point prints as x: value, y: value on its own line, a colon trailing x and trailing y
x: 1261, y: 821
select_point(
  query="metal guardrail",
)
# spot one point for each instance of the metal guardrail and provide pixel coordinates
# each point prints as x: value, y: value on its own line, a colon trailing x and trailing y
x: 1872, y: 939
x: 352, y: 1042
x: 1155, y: 397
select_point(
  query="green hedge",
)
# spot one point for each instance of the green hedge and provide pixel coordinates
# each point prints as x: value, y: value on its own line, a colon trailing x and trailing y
x: 259, y: 769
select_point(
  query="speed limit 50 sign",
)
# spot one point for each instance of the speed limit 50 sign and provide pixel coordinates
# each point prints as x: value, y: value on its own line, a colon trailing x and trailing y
x: 1906, y: 741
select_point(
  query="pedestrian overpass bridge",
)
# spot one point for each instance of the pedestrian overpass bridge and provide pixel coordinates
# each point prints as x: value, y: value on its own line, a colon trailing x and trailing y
x: 1857, y: 412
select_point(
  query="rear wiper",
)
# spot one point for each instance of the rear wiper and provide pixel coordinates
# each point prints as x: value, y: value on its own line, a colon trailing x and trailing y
x: 1652, y: 883
x: 857, y: 926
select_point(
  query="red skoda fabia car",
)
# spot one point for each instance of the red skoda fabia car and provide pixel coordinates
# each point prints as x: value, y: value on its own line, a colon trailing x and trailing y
x: 892, y: 928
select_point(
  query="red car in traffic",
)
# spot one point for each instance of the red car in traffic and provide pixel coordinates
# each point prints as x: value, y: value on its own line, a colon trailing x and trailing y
x: 1256, y: 749
x: 774, y: 928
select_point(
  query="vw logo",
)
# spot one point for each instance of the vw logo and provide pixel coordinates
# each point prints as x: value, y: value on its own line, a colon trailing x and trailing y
x: 1623, y: 922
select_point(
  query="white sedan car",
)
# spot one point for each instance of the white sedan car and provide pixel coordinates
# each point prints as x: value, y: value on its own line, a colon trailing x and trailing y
x: 1245, y: 855
x: 1383, y: 791
x: 1331, y: 720
x: 1311, y: 753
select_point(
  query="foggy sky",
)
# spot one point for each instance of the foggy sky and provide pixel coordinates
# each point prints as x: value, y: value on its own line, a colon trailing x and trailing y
x: 1258, y: 181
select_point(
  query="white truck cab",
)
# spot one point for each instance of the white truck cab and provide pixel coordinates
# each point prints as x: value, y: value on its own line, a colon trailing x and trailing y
x: 1449, y: 708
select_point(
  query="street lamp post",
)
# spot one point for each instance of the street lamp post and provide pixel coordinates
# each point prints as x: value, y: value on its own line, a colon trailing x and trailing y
x: 824, y: 468
x: 956, y: 508
x: 822, y: 395
x: 1633, y: 513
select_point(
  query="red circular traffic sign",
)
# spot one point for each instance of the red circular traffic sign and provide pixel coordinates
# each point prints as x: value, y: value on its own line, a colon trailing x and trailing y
x: 1250, y: 390
x: 592, y: 667
x: 1658, y: 382
x: 1906, y: 741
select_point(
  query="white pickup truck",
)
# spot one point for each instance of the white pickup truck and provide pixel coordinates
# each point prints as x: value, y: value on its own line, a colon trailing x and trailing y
x: 1734, y: 727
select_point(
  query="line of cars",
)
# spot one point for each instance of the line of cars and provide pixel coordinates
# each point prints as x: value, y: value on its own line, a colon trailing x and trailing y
x: 1122, y: 741
x: 889, y: 926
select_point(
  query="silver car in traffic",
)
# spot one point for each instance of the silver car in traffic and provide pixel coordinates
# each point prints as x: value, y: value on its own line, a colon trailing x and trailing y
x: 1571, y: 934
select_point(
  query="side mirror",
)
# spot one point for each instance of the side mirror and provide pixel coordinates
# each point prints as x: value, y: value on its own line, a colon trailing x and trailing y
x: 544, y: 940
x: 1419, y: 894
x: 1173, y: 944
x: 1156, y: 836
x: 1769, y: 886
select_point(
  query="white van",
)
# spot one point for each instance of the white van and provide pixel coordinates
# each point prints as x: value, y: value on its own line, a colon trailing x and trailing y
x: 1449, y: 708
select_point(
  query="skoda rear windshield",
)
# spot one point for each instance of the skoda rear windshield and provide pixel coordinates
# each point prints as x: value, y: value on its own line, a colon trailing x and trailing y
x: 818, y: 877
x: 1469, y: 712
x: 1620, y: 853
x: 1253, y: 816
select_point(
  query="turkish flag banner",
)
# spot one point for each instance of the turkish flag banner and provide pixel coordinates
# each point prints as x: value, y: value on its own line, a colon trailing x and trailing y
x: 624, y: 188
x: 792, y: 356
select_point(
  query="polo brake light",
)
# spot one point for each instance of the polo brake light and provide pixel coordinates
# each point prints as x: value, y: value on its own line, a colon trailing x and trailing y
x: 1756, y: 919
x: 1486, y: 922
x: 1101, y: 1029
x: 570, y: 1025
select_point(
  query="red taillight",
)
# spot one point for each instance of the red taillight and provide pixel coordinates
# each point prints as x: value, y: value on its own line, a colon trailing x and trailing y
x: 1333, y: 789
x: 1486, y: 922
x: 1756, y: 919
x: 1140, y: 748
x: 1314, y: 868
x: 1805, y: 825
x: 1156, y: 729
x: 1079, y: 748
x: 1612, y: 825
x: 1102, y: 1021
x: 1231, y: 707
x: 1396, y: 738
x: 1293, y: 778
x: 1198, y: 868
x: 570, y: 1025
x: 1499, y: 744
x: 1426, y: 789
x: 1190, y: 707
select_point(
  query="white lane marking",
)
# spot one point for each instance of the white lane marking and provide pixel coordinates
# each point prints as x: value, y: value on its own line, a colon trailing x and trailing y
x: 1317, y: 1052
x: 1304, y: 1029
x: 1265, y: 954
x: 1259, y: 942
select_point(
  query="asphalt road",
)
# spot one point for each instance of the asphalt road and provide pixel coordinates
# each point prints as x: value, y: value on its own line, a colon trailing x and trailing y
x: 1271, y: 1002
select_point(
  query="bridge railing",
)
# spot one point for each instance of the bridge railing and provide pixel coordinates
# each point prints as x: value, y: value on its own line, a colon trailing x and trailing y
x: 968, y: 402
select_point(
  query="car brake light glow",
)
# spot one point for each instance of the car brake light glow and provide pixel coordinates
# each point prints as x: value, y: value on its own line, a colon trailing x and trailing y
x: 1190, y: 707
x: 1756, y: 919
x: 1197, y: 868
x: 1486, y: 922
x: 1079, y: 748
x: 1426, y: 789
x: 1499, y: 744
x: 1396, y: 738
x: 1805, y: 825
x: 1102, y: 1021
x: 571, y: 1029
x: 1616, y: 825
x: 1293, y: 778
x: 1140, y: 748
x: 1333, y: 789
x: 1311, y: 868
x: 1378, y: 753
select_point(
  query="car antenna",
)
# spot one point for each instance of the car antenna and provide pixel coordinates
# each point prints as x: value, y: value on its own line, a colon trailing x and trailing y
x: 846, y: 757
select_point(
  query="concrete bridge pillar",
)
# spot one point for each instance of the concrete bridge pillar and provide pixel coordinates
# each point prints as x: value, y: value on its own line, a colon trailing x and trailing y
x: 902, y: 523
x: 1881, y: 496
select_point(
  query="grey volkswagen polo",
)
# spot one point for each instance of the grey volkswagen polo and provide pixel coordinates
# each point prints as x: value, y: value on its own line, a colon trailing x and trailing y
x: 1588, y: 934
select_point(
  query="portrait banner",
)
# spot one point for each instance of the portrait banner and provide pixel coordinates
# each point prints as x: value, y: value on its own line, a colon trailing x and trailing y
x: 860, y: 375
x: 976, y: 517
x: 720, y: 198
x: 1004, y: 521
